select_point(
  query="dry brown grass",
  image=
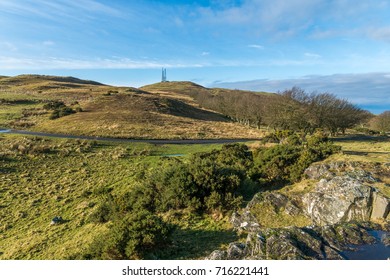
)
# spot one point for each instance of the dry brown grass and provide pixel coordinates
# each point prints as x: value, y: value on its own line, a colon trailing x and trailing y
x: 121, y: 111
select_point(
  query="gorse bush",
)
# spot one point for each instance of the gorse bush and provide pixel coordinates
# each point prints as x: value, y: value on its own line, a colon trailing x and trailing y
x: 286, y: 162
x: 53, y: 105
x: 133, y: 236
x: 59, y: 109
x: 208, y: 183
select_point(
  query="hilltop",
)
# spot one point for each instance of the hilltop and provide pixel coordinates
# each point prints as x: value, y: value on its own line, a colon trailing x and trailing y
x: 44, y: 82
x: 162, y: 111
x: 193, y: 89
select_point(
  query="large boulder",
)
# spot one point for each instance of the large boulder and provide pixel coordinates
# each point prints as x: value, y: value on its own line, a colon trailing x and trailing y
x: 340, y: 199
x: 345, y: 193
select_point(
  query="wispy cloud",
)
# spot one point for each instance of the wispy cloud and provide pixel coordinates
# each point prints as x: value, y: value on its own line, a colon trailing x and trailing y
x: 58, y: 10
x: 312, y: 55
x: 278, y: 17
x: 281, y: 19
x: 255, y: 46
x: 16, y: 63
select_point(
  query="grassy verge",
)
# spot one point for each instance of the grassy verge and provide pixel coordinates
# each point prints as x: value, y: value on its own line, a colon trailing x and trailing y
x: 365, y: 149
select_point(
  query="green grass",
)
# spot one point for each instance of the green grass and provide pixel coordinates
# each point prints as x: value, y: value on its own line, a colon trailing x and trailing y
x: 67, y: 181
x: 268, y: 217
x: 365, y: 149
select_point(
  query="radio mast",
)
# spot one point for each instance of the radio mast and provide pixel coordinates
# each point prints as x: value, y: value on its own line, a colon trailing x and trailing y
x: 163, y: 75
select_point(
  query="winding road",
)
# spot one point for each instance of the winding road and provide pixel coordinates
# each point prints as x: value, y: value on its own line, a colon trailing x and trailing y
x: 126, y: 140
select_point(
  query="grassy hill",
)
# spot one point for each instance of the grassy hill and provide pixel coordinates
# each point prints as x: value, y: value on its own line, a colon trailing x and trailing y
x: 191, y: 89
x: 187, y: 88
x: 163, y: 110
x: 35, y: 81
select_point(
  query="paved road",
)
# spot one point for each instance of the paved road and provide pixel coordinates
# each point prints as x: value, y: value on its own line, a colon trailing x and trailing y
x: 151, y: 141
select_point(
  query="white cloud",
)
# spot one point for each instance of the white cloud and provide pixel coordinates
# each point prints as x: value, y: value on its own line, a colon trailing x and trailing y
x: 59, y: 10
x: 312, y: 55
x: 255, y: 46
x: 321, y: 19
x: 279, y: 18
x: 382, y: 34
x: 16, y: 63
x: 205, y: 53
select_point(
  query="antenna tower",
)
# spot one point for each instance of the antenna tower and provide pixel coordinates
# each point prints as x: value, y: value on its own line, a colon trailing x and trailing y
x: 163, y: 75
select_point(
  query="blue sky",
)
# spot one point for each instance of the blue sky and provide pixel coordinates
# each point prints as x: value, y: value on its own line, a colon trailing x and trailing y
x: 253, y: 44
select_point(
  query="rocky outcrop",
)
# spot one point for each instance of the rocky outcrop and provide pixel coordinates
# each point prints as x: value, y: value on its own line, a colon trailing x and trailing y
x: 246, y: 221
x: 343, y: 198
x: 307, y: 243
x: 329, y: 170
x: 341, y: 207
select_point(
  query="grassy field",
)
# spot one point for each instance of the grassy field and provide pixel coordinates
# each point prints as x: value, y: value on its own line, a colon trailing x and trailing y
x: 363, y: 148
x: 43, y: 178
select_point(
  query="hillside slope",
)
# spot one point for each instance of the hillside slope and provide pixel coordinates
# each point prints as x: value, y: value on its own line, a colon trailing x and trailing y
x: 95, y: 109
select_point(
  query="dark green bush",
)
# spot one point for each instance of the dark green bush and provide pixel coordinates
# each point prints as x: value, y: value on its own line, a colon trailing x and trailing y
x: 142, y: 196
x: 59, y: 109
x: 53, y: 105
x: 286, y: 162
x: 134, y: 236
x: 103, y: 212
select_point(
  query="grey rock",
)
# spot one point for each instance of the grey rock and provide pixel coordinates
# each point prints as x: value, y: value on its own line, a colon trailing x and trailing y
x: 380, y: 207
x: 256, y: 245
x: 341, y: 199
x: 385, y: 239
x: 236, y: 251
x: 318, y: 171
x: 56, y: 221
x: 306, y: 243
x: 217, y: 255
x: 245, y: 221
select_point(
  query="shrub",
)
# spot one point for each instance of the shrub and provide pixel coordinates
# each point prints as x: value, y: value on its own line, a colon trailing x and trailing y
x: 142, y: 196
x: 286, y: 162
x: 208, y: 182
x: 59, y: 109
x: 134, y: 236
x: 53, y: 105
x: 103, y: 212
